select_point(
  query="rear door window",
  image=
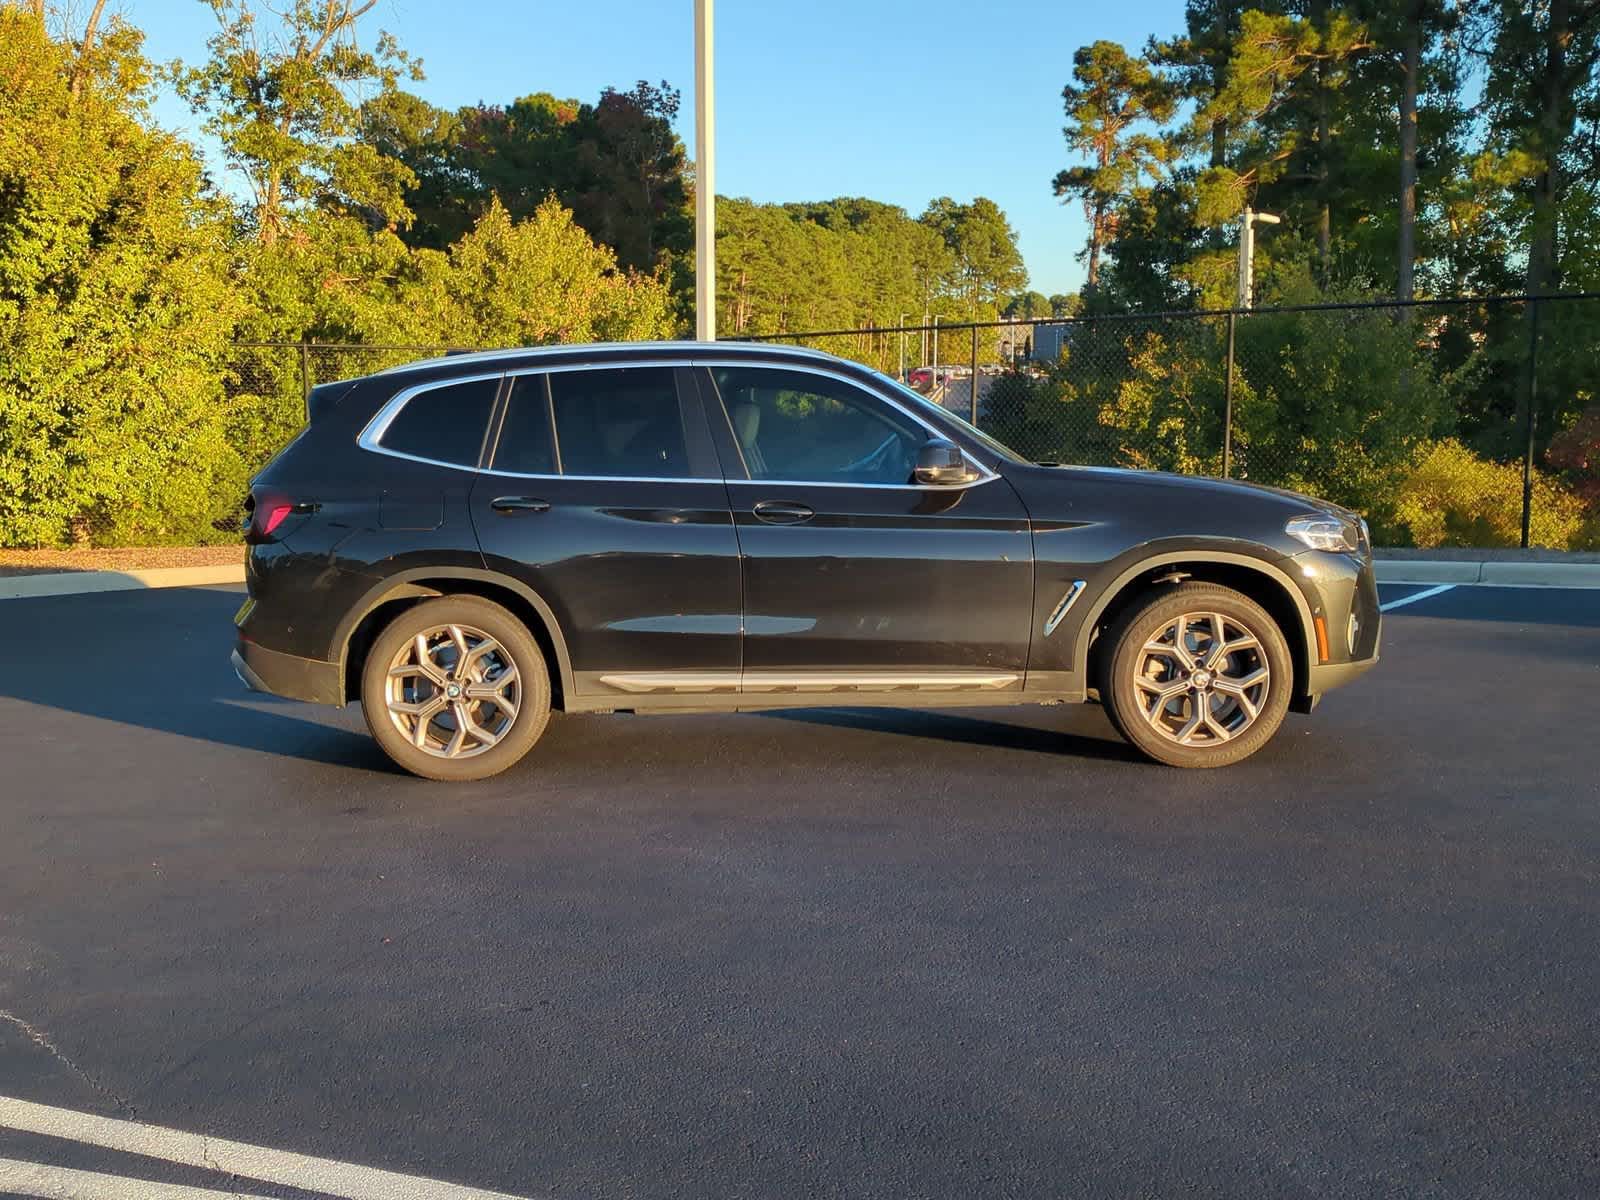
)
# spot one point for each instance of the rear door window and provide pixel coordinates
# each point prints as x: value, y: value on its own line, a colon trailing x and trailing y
x: 526, y: 446
x: 620, y: 422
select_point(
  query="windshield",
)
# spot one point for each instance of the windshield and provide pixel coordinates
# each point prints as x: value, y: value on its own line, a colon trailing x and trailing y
x: 921, y: 404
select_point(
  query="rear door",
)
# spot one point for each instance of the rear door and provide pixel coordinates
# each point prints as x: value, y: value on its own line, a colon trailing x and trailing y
x: 602, y: 493
x: 856, y: 578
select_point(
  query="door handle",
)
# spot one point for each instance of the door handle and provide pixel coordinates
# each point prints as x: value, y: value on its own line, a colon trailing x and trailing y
x: 509, y: 505
x: 782, y: 512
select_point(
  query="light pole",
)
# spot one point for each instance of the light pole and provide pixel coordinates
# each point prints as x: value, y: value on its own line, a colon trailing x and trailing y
x: 705, y: 178
x: 1248, y: 220
x: 903, y: 317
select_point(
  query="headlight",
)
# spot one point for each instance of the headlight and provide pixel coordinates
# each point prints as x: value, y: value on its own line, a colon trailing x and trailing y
x: 1323, y: 532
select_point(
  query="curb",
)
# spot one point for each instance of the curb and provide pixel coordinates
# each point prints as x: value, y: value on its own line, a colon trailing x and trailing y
x: 74, y: 583
x: 1501, y: 574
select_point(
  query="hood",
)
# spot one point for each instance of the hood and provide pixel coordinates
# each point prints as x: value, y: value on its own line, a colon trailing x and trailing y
x: 1204, y: 485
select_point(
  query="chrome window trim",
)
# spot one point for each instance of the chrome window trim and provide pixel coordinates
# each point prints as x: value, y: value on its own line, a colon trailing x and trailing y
x: 370, y: 437
x: 720, y: 481
x: 746, y: 350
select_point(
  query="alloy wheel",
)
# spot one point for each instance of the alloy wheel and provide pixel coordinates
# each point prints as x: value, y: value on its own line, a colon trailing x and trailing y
x: 1202, y: 679
x: 453, y: 691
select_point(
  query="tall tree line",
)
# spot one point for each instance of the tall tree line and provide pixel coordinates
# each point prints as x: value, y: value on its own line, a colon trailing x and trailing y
x: 133, y: 287
x: 1411, y: 146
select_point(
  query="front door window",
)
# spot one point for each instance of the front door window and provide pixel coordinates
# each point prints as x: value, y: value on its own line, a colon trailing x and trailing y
x: 799, y: 427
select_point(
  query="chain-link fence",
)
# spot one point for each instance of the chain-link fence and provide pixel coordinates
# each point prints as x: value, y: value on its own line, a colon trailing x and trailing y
x: 1449, y: 423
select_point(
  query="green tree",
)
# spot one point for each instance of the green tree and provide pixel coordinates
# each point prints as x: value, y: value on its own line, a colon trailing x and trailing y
x: 446, y: 196
x: 632, y: 193
x: 525, y: 283
x: 1028, y: 306
x: 281, y: 101
x: 987, y: 265
x: 1543, y: 98
x: 1112, y: 93
x: 115, y: 302
x: 617, y: 164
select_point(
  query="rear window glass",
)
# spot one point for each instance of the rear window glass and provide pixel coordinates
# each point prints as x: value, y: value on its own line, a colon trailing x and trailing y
x: 444, y: 423
x: 620, y: 422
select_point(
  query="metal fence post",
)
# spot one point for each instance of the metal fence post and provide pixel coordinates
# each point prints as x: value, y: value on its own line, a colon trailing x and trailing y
x: 1227, y: 407
x: 305, y: 378
x: 1533, y: 419
x: 973, y: 387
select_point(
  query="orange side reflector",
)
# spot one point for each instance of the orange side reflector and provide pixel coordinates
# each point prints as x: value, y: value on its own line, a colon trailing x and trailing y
x: 1322, y: 639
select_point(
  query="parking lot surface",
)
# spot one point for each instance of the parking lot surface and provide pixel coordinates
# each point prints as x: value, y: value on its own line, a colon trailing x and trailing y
x: 839, y: 953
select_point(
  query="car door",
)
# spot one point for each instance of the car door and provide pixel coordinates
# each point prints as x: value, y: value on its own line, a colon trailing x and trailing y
x: 602, y: 493
x: 855, y: 577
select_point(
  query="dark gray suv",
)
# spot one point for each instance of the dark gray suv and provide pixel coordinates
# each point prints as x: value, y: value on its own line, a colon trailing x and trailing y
x: 466, y: 543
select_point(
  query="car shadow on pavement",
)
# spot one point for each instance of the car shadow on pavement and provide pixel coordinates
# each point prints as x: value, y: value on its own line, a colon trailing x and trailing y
x: 173, y: 644
x: 964, y: 730
x: 254, y: 724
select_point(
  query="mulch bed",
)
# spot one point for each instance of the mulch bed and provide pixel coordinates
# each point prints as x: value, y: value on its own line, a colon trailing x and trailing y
x: 127, y: 558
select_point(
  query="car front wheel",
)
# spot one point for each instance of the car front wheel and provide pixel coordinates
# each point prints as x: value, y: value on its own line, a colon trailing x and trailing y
x: 455, y: 689
x: 1199, y: 675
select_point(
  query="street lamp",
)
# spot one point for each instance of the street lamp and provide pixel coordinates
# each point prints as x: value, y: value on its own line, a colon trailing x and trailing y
x: 705, y: 175
x: 1248, y: 220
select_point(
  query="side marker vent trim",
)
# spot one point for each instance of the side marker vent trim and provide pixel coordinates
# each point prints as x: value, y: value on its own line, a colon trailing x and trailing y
x: 1064, y: 607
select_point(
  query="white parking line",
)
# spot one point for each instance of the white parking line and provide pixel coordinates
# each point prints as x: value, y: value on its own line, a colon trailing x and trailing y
x: 60, y: 1183
x: 350, y: 1181
x: 1415, y: 596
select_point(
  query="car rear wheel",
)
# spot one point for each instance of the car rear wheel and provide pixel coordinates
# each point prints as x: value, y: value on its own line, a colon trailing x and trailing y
x: 455, y: 689
x: 1197, y: 676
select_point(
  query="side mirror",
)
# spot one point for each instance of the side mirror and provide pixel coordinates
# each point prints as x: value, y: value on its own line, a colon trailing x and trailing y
x: 940, y: 463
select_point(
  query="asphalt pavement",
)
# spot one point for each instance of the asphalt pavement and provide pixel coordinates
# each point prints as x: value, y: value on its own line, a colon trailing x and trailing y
x: 848, y: 953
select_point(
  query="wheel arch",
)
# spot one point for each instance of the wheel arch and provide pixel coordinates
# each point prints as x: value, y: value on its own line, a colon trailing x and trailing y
x: 1265, y: 583
x: 355, y: 633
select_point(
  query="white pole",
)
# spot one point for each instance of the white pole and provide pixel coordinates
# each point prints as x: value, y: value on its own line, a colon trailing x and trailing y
x: 1247, y: 254
x: 1247, y: 250
x: 705, y: 171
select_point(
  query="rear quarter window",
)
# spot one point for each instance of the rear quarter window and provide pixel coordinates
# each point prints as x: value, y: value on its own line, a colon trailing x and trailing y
x: 445, y: 423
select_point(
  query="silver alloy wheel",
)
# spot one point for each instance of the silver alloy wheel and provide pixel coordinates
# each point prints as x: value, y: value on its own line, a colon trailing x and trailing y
x: 1202, y: 679
x: 453, y: 691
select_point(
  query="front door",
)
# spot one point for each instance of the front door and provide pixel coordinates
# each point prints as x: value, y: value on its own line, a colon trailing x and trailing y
x: 857, y: 579
x: 603, y: 495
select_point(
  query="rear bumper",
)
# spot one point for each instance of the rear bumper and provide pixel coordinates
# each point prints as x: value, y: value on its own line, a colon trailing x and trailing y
x: 279, y: 674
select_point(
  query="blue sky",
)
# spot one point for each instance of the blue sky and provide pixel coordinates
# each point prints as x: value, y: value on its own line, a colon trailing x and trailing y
x: 899, y: 100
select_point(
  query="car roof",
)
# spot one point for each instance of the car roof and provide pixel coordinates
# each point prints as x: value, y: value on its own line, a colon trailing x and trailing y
x: 617, y: 350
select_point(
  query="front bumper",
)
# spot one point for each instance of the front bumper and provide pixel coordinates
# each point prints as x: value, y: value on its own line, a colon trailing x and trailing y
x: 1342, y: 591
x: 279, y: 674
x: 1327, y: 676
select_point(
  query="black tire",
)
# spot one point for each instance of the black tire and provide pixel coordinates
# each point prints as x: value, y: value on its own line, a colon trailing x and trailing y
x: 504, y: 643
x: 1131, y: 673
